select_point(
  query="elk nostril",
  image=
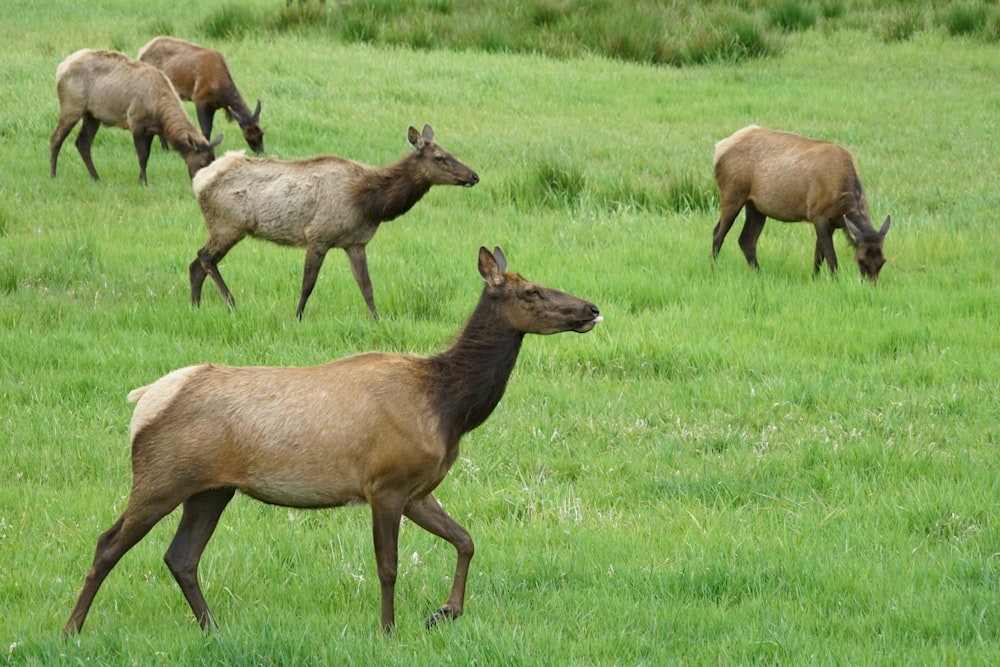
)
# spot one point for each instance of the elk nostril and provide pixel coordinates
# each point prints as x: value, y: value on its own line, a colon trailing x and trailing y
x: 595, y: 311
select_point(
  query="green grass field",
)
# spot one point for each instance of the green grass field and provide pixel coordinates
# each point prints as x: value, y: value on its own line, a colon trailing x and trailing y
x: 733, y: 467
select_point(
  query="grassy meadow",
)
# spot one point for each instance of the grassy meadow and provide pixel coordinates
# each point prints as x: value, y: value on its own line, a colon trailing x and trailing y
x: 732, y: 468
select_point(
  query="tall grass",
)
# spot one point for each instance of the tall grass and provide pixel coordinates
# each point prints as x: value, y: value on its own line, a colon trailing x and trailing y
x: 735, y: 467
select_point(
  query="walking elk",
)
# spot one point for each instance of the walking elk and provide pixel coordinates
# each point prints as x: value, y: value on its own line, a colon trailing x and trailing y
x: 317, y: 203
x: 375, y: 428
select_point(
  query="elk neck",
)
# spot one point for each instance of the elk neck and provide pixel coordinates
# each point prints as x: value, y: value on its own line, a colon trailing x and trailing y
x: 385, y: 193
x: 855, y: 206
x: 177, y: 127
x: 468, y: 380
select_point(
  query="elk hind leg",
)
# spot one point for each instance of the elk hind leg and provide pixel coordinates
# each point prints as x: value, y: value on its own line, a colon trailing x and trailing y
x: 429, y: 515
x: 310, y: 272
x: 207, y: 264
x: 386, y: 515
x: 730, y: 208
x: 84, y: 140
x: 200, y: 516
x: 359, y: 267
x: 132, y: 526
x: 63, y: 128
x: 752, y: 227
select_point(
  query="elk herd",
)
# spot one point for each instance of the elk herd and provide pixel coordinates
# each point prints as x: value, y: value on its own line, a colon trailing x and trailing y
x: 378, y: 429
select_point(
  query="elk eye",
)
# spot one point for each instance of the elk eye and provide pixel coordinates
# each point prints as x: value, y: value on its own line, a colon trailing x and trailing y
x: 439, y: 158
x: 532, y: 293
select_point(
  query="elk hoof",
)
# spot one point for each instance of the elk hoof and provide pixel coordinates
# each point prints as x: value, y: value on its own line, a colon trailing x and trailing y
x: 443, y: 614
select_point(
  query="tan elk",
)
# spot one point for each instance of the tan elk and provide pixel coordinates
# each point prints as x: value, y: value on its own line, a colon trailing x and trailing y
x: 375, y: 428
x: 791, y: 178
x: 109, y: 88
x: 317, y: 203
x: 202, y: 76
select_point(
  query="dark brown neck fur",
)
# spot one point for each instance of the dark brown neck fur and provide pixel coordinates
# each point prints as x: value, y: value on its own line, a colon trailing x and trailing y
x: 229, y: 97
x: 388, y: 192
x: 468, y: 380
x: 855, y: 207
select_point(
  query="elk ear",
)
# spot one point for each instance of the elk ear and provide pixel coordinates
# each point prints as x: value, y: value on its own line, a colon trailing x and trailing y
x: 256, y: 113
x: 500, y: 258
x: 428, y: 132
x: 885, y: 227
x: 415, y: 139
x: 852, y: 229
x: 489, y: 269
x: 215, y: 142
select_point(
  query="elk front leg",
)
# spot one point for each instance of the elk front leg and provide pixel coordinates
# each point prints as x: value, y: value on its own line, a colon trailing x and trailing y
x: 206, y: 116
x: 429, y: 515
x: 824, y: 249
x: 143, y: 144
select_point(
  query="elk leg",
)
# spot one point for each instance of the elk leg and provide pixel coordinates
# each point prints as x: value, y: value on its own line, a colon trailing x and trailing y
x: 201, y: 515
x: 131, y: 527
x: 314, y: 261
x: 197, y: 275
x: 385, y: 531
x: 88, y: 130
x: 143, y: 144
x: 359, y: 267
x: 824, y: 249
x: 207, y: 263
x: 730, y: 209
x: 206, y: 116
x: 752, y: 227
x: 63, y: 128
x: 429, y: 515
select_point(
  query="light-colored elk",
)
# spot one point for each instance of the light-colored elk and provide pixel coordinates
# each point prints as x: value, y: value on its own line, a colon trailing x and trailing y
x: 791, y: 178
x: 202, y: 76
x: 317, y: 203
x: 376, y: 428
x: 109, y: 88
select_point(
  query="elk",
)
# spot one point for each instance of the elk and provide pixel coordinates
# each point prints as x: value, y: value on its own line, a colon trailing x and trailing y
x: 375, y: 428
x: 317, y: 203
x: 109, y: 88
x: 791, y: 178
x: 202, y: 76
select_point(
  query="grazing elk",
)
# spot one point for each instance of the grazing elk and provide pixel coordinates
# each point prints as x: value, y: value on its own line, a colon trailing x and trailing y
x: 202, y: 76
x: 791, y: 178
x: 374, y: 428
x: 106, y: 87
x: 317, y: 203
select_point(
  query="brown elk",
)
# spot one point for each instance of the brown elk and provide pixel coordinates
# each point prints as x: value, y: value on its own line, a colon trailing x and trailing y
x: 375, y: 428
x: 202, y: 76
x: 317, y: 203
x: 106, y: 87
x: 791, y: 178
